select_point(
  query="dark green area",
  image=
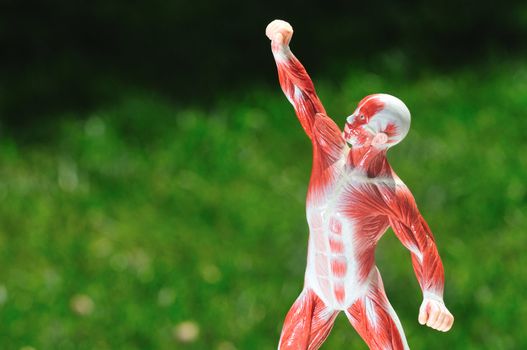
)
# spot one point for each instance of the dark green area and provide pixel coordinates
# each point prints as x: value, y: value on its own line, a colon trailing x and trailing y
x: 62, y: 55
x: 134, y: 218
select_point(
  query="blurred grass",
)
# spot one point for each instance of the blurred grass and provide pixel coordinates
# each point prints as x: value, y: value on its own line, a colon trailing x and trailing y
x: 150, y: 226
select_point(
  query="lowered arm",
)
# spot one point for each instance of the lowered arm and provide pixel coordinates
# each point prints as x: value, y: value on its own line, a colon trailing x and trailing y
x: 414, y: 233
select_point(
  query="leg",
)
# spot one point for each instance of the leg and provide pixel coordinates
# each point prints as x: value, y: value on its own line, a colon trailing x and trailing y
x: 375, y: 320
x: 307, y: 323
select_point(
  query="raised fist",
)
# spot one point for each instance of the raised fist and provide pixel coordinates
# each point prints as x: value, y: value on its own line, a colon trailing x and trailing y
x: 279, y: 32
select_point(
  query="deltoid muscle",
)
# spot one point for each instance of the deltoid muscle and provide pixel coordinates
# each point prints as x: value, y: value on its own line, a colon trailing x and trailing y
x: 353, y: 197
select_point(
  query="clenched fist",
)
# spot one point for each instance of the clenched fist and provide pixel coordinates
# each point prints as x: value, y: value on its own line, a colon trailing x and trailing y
x: 279, y: 32
x: 435, y: 315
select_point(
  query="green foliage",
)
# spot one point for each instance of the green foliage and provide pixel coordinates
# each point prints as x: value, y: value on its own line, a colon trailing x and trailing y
x: 145, y: 222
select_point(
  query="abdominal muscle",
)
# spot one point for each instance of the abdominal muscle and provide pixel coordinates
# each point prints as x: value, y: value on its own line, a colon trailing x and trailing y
x: 332, y: 267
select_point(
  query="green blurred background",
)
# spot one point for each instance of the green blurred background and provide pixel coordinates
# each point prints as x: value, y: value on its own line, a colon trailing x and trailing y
x: 153, y: 176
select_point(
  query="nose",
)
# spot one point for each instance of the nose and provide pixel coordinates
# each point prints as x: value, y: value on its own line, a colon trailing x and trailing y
x: 350, y: 118
x: 347, y: 129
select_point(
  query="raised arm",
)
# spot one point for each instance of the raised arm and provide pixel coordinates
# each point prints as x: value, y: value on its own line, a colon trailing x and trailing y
x: 294, y: 80
x: 414, y: 233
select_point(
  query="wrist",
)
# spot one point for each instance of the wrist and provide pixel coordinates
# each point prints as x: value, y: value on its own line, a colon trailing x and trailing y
x: 280, y: 50
x: 433, y: 296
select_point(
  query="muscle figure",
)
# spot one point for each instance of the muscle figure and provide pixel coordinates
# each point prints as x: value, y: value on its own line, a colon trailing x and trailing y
x: 353, y: 197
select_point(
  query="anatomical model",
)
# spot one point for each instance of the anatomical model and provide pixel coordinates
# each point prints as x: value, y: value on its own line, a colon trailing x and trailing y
x: 354, y: 196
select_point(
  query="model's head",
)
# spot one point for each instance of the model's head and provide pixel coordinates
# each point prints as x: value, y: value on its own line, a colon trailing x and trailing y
x: 380, y: 121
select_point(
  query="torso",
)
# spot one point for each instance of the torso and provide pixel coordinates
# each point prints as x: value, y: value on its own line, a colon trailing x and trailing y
x: 344, y: 230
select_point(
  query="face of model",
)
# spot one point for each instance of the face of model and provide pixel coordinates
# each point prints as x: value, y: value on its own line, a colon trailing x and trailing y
x: 358, y: 130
